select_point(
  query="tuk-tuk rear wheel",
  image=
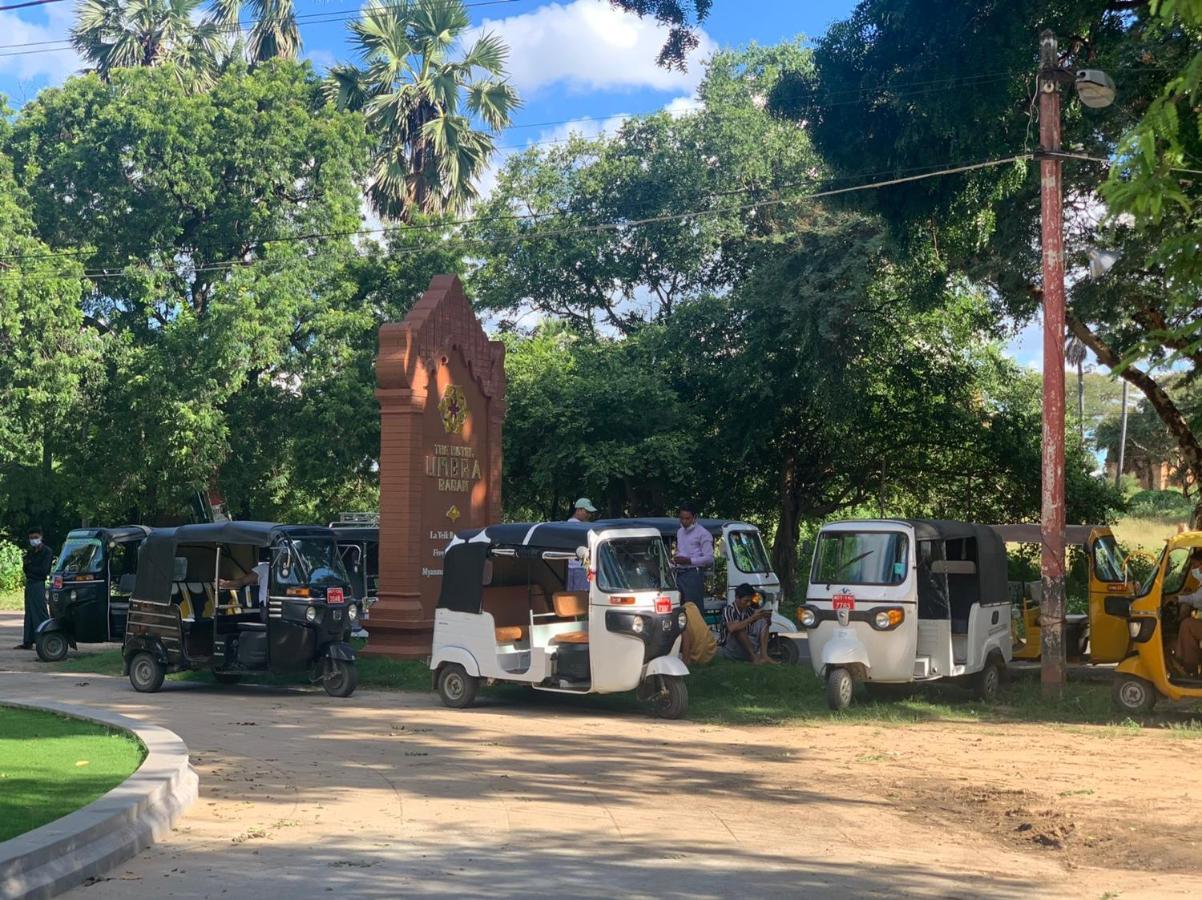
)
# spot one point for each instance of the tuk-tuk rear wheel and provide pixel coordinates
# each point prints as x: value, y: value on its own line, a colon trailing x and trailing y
x: 340, y: 678
x: 1133, y: 696
x: 839, y: 688
x: 456, y: 688
x: 784, y: 650
x: 987, y: 684
x: 671, y: 701
x: 146, y: 673
x: 52, y: 646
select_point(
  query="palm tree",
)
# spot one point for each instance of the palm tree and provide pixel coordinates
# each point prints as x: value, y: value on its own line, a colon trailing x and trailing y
x: 116, y: 34
x: 1074, y: 354
x: 428, y: 153
x: 275, y: 33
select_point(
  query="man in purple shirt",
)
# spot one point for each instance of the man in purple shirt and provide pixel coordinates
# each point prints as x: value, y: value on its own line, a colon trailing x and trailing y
x: 694, y: 554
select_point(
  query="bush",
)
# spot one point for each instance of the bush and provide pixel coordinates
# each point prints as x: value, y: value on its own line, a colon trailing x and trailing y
x: 11, y: 576
x: 1160, y: 504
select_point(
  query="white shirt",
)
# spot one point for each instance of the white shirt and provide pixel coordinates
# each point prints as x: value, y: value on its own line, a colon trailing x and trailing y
x: 263, y: 570
x: 1193, y: 599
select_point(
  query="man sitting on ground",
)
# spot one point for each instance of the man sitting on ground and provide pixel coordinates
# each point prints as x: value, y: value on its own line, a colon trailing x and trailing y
x: 746, y: 635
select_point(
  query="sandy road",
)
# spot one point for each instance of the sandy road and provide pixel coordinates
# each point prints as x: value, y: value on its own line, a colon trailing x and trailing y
x: 388, y: 794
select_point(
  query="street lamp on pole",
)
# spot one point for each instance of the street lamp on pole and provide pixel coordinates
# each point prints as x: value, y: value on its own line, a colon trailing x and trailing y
x: 1096, y: 89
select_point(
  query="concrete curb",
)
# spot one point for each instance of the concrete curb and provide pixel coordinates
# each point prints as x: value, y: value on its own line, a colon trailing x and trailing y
x: 93, y: 840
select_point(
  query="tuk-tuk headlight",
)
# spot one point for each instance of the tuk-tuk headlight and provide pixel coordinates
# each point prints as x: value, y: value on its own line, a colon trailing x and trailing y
x: 681, y: 620
x: 637, y: 625
x: 352, y: 612
x: 881, y: 620
x: 806, y: 618
x: 310, y: 613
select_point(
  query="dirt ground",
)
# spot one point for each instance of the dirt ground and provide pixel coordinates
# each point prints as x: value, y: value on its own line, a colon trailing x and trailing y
x: 389, y: 794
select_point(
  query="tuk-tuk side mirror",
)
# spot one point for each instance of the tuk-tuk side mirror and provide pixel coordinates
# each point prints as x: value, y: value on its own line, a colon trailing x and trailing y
x: 582, y: 556
x: 285, y: 561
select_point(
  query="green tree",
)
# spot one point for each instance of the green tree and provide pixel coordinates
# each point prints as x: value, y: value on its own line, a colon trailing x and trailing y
x: 47, y: 358
x: 194, y: 216
x: 274, y: 34
x: 119, y: 34
x: 905, y: 77
x: 422, y: 105
x: 616, y: 232
x: 683, y: 19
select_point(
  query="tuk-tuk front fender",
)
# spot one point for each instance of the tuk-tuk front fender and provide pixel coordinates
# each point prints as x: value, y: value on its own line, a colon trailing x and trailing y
x: 844, y: 650
x: 781, y: 625
x: 338, y: 650
x: 455, y: 655
x: 665, y: 665
x: 55, y: 625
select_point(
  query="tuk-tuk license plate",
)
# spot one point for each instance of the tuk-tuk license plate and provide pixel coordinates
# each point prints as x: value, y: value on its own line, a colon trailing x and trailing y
x: 843, y: 601
x: 335, y: 595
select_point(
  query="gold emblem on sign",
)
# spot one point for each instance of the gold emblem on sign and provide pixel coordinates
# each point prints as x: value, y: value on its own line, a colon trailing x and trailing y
x: 453, y: 408
x: 453, y: 513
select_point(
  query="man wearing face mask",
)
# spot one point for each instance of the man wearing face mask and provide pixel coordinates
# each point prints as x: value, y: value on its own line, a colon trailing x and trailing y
x: 37, y: 563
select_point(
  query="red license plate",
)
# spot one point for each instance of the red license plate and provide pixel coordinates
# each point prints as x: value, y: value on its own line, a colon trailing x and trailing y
x: 663, y: 604
x: 335, y: 595
x: 843, y: 601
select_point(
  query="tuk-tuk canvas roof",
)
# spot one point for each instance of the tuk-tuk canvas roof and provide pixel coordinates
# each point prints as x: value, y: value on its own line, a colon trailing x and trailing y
x: 356, y: 533
x: 565, y: 536
x: 118, y: 534
x: 254, y: 534
x: 668, y: 526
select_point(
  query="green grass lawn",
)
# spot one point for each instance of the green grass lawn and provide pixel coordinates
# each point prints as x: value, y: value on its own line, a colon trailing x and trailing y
x: 51, y: 765
x: 12, y: 600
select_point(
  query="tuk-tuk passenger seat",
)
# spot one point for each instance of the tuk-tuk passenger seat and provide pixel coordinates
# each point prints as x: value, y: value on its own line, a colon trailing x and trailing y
x: 571, y: 605
x: 510, y: 607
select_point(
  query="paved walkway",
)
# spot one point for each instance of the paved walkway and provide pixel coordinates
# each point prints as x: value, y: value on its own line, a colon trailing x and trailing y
x: 386, y: 794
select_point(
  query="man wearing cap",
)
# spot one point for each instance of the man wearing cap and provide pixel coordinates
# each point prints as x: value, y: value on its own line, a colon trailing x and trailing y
x: 745, y: 635
x: 583, y: 511
x: 694, y: 554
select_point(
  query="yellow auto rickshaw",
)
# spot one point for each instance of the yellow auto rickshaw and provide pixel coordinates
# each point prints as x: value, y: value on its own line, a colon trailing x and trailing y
x: 1151, y: 671
x: 1097, y: 636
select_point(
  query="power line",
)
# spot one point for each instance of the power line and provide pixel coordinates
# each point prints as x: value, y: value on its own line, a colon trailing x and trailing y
x: 229, y: 265
x: 27, y: 4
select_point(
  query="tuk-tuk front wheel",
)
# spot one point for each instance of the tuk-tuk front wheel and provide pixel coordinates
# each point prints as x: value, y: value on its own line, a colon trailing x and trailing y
x: 839, y: 688
x: 1133, y: 696
x: 52, y: 646
x: 456, y: 688
x: 671, y: 700
x: 146, y: 673
x: 340, y: 678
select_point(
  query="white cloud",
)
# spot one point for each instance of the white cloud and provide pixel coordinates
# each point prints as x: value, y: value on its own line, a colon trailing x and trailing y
x: 589, y: 45
x: 323, y: 60
x: 682, y: 106
x: 43, y: 60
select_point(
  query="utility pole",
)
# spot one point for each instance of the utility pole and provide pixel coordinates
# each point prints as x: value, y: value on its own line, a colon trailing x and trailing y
x: 1051, y: 605
x: 1118, y: 472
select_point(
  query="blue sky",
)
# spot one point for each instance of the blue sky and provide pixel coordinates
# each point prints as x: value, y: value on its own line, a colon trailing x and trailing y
x: 579, y: 65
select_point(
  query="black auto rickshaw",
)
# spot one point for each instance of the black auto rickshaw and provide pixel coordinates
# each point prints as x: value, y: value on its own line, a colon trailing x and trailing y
x: 90, y: 588
x: 294, y: 613
x: 358, y: 539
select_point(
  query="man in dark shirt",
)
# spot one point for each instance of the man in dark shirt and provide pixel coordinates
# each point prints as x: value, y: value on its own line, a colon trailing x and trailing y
x: 745, y: 632
x: 37, y: 563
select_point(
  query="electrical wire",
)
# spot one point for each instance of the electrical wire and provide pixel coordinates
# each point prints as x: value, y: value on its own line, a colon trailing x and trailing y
x: 623, y: 224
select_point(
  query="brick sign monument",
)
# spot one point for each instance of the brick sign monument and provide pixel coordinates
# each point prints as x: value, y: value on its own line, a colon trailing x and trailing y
x: 441, y: 388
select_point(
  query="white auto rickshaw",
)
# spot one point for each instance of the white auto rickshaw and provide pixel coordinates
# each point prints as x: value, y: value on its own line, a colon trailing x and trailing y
x: 504, y: 614
x: 740, y: 558
x: 895, y: 602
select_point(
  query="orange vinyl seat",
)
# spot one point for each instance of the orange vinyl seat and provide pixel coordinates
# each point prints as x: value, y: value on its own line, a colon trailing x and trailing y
x: 571, y: 637
x: 570, y: 604
x: 510, y: 634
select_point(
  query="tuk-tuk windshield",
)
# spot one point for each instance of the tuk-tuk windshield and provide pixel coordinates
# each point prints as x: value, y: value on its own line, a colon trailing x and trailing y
x: 1108, y: 560
x: 860, y: 557
x: 81, y: 556
x: 634, y: 564
x: 321, y: 560
x: 747, y: 552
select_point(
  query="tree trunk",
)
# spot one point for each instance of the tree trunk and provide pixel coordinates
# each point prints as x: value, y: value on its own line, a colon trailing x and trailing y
x: 784, y: 544
x: 1158, y: 398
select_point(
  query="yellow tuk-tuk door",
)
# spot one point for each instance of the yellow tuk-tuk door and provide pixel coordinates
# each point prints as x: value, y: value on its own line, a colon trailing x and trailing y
x: 1109, y: 637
